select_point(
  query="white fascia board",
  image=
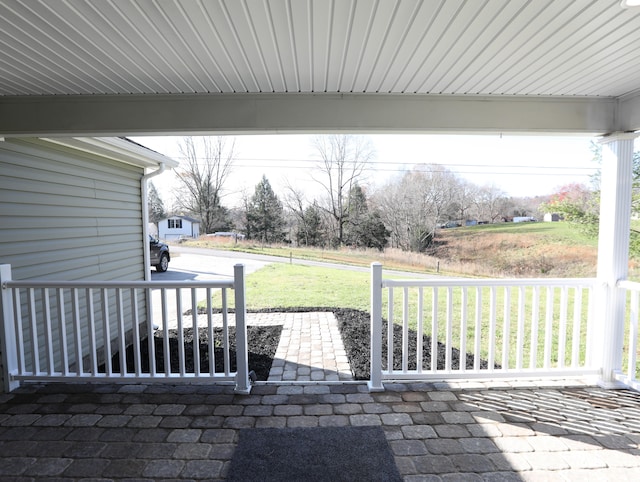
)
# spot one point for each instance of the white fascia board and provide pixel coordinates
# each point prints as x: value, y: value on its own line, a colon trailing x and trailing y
x: 629, y: 112
x: 118, y: 149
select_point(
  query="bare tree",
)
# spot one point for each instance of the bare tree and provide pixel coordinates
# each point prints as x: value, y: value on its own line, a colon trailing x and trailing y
x: 343, y: 160
x: 491, y: 203
x: 202, y: 174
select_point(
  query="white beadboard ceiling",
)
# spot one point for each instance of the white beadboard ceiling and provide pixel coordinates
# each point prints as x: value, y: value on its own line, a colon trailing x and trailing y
x: 473, y: 47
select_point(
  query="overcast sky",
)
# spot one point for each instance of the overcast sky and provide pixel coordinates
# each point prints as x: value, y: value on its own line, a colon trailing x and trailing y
x: 519, y: 165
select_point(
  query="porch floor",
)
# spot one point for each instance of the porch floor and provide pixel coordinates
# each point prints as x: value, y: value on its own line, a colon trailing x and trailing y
x: 469, y: 431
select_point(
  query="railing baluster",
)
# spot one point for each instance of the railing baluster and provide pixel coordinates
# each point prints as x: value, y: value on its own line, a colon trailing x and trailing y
x: 17, y: 310
x: 196, y: 335
x: 151, y: 343
x: 405, y: 329
x: 590, y: 328
x: 633, y: 336
x: 137, y: 365
x: 62, y: 327
x: 520, y: 332
x: 449, y: 335
x: 390, y: 332
x: 48, y: 339
x: 548, y: 329
x: 434, y: 330
x: 181, y: 357
x: 121, y: 332
x: 165, y: 332
x: 106, y: 331
x: 77, y: 331
x: 420, y: 332
x: 562, y: 335
x: 35, y: 351
x: 535, y: 320
x: 91, y: 315
x: 577, y: 322
x: 225, y: 333
x: 477, y: 330
x: 211, y: 333
x: 492, y: 329
x: 463, y: 329
x: 506, y: 330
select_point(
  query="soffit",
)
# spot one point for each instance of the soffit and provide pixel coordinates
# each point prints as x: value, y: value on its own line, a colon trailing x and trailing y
x: 489, y: 48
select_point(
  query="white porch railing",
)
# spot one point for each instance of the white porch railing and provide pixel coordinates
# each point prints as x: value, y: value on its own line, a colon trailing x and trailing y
x: 630, y: 373
x: 480, y: 328
x: 105, y: 331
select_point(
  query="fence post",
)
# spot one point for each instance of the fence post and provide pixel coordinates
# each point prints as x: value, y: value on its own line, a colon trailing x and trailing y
x: 243, y: 384
x: 8, y: 334
x: 375, y: 377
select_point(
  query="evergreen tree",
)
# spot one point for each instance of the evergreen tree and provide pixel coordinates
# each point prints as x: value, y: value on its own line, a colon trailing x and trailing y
x: 265, y: 216
x: 155, y: 206
x: 364, y: 229
x: 311, y: 229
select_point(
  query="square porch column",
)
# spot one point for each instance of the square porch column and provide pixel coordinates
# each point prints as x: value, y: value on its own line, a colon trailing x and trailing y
x: 613, y: 253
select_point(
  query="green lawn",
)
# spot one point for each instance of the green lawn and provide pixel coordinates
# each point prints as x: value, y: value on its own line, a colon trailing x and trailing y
x: 297, y: 286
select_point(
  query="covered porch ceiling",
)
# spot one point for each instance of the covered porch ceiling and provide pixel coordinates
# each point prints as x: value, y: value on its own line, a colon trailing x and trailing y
x: 105, y: 68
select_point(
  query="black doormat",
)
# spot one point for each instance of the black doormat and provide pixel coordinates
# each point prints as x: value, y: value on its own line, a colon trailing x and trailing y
x: 313, y: 454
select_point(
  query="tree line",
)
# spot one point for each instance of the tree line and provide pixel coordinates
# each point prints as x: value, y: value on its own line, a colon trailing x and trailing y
x: 405, y: 212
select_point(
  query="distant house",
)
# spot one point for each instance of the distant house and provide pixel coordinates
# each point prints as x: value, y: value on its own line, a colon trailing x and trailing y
x: 170, y: 229
x: 551, y: 217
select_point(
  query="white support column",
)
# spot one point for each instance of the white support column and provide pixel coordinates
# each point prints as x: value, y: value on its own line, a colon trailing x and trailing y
x: 613, y: 251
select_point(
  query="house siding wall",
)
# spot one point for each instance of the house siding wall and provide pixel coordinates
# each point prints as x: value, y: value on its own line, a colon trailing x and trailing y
x: 68, y: 215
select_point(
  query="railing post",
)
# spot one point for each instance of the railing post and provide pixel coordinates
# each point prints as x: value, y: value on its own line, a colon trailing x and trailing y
x: 243, y: 384
x: 375, y: 377
x: 8, y: 348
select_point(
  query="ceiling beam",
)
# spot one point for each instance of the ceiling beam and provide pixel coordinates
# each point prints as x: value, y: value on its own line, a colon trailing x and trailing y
x: 126, y: 115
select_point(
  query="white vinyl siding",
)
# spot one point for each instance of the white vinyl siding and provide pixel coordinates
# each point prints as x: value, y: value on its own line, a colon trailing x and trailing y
x: 68, y: 215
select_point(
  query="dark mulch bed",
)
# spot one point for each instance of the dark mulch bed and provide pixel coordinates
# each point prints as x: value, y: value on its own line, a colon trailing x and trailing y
x: 262, y: 342
x: 356, y: 336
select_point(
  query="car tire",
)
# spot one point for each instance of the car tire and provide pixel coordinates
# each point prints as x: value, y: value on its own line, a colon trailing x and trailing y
x: 163, y: 265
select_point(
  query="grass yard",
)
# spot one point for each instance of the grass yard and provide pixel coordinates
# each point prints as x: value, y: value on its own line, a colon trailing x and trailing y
x: 286, y: 287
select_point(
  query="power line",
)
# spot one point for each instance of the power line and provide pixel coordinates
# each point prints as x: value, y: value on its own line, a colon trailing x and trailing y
x: 265, y: 161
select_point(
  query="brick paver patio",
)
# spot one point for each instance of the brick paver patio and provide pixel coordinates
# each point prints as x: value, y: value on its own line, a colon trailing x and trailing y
x: 153, y: 432
x: 462, y: 431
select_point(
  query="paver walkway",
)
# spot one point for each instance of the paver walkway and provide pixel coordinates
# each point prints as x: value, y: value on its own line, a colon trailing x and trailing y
x: 310, y: 347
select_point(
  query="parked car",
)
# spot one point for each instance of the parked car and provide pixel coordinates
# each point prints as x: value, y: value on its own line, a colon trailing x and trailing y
x: 159, y: 254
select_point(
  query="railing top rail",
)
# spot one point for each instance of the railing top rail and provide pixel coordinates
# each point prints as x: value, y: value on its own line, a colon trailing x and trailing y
x: 628, y: 285
x: 517, y: 282
x: 221, y: 283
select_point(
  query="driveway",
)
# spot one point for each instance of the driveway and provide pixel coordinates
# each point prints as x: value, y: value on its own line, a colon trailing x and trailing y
x: 195, y: 265
x: 188, y: 264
